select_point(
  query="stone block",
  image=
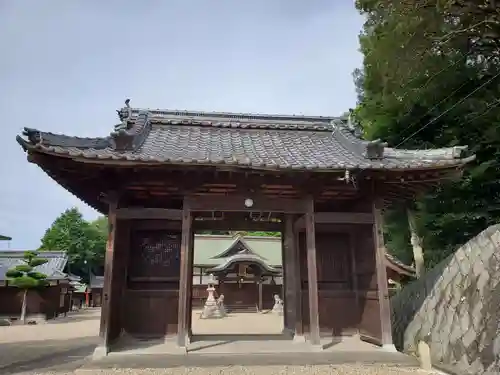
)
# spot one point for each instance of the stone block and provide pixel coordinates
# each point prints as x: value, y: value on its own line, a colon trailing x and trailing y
x: 469, y: 337
x: 479, y: 267
x: 461, y: 310
x: 495, y: 238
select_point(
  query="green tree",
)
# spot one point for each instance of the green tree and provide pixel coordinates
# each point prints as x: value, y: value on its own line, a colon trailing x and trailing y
x: 429, y: 79
x: 25, y: 277
x: 83, y: 242
x: 101, y: 224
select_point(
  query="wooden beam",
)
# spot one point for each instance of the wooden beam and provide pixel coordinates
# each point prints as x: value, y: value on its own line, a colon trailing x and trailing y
x: 236, y: 202
x: 148, y: 213
x: 236, y: 225
x: 382, y: 287
x: 337, y: 218
x: 312, y: 274
x: 185, y: 272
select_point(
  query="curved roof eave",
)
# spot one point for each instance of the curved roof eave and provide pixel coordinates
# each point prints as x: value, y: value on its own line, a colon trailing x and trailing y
x: 396, y: 265
x: 300, y: 143
x: 134, y: 160
x: 240, y: 258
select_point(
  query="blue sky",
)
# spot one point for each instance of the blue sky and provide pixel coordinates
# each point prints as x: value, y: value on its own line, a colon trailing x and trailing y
x: 66, y: 67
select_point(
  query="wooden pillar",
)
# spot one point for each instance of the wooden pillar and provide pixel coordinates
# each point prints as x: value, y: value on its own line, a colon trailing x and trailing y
x: 190, y: 296
x: 354, y: 278
x: 416, y: 244
x: 297, y: 287
x: 106, y: 305
x: 312, y: 274
x: 289, y: 284
x: 185, y: 274
x: 284, y: 294
x: 382, y: 288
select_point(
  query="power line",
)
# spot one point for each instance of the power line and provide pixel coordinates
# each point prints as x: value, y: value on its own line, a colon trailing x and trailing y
x: 448, y: 110
x: 425, y: 85
x: 435, y: 106
x: 489, y: 107
x: 433, y: 76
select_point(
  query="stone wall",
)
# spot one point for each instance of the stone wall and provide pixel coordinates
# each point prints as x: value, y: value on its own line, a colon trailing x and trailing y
x: 455, y: 308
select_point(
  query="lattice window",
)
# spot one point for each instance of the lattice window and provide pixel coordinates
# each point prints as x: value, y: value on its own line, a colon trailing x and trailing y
x: 155, y: 254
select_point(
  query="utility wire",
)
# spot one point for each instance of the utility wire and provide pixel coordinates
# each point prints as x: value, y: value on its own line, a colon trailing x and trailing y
x: 425, y: 85
x: 462, y: 55
x: 448, y: 110
x: 489, y: 107
x: 435, y: 106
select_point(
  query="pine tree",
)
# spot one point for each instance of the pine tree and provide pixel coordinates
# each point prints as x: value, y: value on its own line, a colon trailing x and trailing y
x: 25, y: 277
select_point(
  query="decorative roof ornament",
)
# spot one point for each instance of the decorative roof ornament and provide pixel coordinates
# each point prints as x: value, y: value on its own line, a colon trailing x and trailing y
x: 124, y: 114
x: 349, y: 134
x: 132, y: 132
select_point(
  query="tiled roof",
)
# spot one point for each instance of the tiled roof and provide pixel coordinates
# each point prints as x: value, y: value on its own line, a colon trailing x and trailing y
x: 210, y: 250
x: 246, y: 140
x: 54, y: 268
x: 392, y: 262
x: 5, y: 238
x: 78, y: 287
x: 251, y: 258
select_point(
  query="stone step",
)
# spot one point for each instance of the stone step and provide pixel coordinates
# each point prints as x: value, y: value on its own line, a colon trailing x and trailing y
x: 235, y: 308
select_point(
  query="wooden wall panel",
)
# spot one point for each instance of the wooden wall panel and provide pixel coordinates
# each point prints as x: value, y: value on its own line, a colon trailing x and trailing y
x: 246, y: 294
x: 44, y: 302
x: 337, y: 299
x: 369, y: 314
x: 151, y: 313
x: 369, y: 325
x: 151, y: 304
x: 336, y: 317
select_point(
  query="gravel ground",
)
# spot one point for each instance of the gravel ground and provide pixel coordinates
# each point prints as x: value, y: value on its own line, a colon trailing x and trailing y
x: 63, y: 346
x: 252, y: 370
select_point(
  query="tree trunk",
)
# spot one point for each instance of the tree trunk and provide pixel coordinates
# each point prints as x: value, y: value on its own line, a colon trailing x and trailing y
x: 23, y: 307
x: 416, y: 243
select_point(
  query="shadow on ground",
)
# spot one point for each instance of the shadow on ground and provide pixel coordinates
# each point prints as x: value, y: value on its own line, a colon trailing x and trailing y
x: 45, y: 355
x: 74, y: 317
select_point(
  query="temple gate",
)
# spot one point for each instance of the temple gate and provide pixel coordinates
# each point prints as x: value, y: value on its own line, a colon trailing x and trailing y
x: 162, y: 175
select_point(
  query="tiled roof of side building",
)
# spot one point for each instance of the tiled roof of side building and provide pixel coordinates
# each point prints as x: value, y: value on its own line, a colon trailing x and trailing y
x: 246, y: 140
x: 397, y: 265
x: 54, y: 268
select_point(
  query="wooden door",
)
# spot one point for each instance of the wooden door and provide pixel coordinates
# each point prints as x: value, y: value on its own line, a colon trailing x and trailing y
x: 153, y: 283
x: 240, y: 295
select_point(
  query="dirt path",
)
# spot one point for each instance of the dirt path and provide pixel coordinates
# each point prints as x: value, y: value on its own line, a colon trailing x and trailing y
x: 62, y: 346
x: 63, y: 342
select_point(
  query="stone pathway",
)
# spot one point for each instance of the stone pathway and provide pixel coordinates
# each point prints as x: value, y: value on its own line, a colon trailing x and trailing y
x: 265, y: 323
